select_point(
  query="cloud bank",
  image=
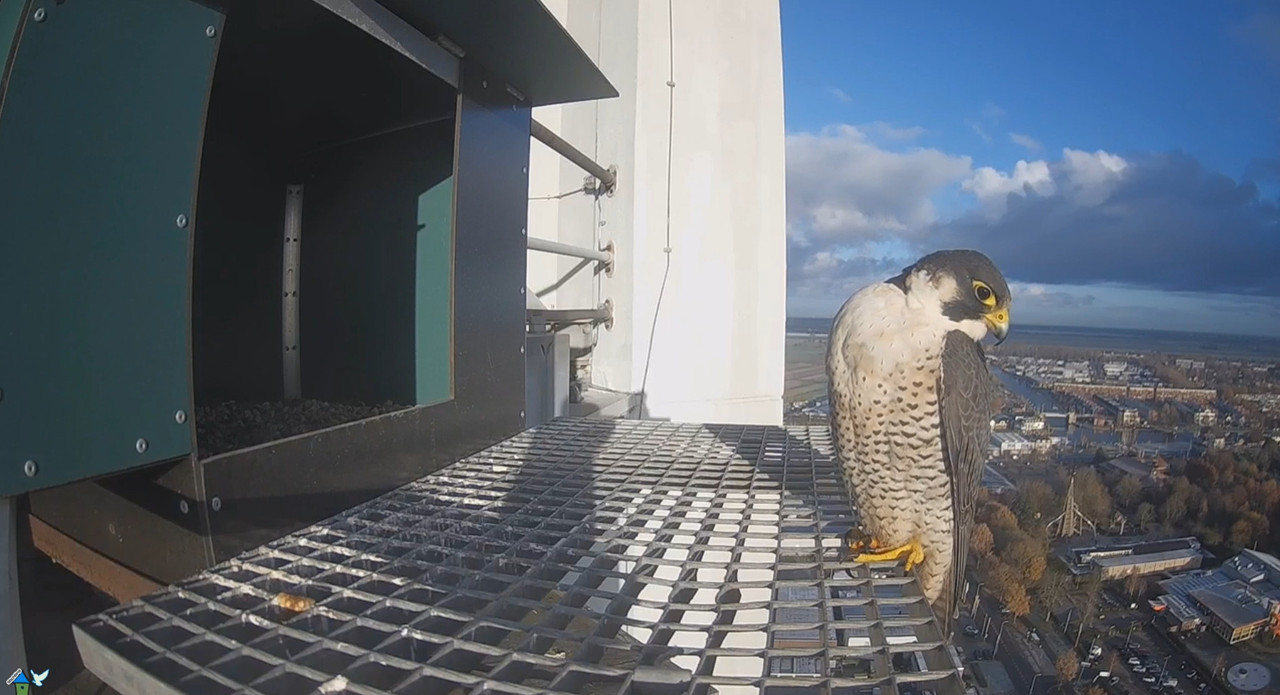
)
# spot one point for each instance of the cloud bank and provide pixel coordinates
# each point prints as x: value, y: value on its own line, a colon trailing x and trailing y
x: 861, y: 204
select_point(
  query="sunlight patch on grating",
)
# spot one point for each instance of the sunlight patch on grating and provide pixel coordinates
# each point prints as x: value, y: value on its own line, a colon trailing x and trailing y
x: 584, y: 556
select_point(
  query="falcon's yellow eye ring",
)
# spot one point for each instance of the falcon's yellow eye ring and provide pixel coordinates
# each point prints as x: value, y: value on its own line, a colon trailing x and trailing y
x: 983, y: 292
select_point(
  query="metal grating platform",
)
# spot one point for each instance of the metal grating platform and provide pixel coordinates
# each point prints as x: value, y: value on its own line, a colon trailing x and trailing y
x: 584, y: 556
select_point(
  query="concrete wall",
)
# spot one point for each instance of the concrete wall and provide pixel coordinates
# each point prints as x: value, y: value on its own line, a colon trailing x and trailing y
x: 717, y: 342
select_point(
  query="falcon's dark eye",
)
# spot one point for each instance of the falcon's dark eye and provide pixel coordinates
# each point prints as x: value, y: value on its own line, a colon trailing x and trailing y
x: 983, y: 293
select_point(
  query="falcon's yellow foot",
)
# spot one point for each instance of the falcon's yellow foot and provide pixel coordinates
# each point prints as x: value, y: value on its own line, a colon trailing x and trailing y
x: 913, y: 551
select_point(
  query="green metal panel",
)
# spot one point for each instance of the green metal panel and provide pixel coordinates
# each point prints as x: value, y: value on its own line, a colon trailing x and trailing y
x: 11, y: 12
x: 433, y: 310
x: 99, y: 147
x: 376, y: 283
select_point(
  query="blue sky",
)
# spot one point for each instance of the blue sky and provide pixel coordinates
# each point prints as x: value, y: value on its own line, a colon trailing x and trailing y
x: 1119, y: 161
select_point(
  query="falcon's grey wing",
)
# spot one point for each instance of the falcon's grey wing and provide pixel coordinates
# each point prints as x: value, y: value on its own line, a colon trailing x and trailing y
x: 965, y: 400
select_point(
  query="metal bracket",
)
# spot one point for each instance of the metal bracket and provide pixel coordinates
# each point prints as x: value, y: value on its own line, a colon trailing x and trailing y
x: 291, y: 272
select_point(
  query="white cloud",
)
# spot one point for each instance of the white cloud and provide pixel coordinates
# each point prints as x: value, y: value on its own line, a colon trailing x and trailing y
x: 1030, y: 143
x: 840, y: 95
x: 981, y: 132
x: 844, y: 189
x: 1086, y: 178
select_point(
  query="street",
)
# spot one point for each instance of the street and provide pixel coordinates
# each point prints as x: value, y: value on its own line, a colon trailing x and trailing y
x: 1026, y: 662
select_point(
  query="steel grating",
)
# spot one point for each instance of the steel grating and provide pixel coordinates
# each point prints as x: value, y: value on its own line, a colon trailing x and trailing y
x: 584, y: 556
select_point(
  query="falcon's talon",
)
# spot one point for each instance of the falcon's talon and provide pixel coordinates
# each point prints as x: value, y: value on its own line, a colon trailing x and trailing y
x: 913, y: 551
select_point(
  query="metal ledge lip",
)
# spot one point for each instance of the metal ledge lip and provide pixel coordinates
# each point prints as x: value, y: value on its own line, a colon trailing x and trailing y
x: 581, y: 556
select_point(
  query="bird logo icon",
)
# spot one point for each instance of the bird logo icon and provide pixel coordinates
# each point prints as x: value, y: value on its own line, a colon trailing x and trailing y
x: 38, y: 678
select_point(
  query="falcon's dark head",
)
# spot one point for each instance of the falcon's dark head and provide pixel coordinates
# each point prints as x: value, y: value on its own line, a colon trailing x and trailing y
x: 968, y: 288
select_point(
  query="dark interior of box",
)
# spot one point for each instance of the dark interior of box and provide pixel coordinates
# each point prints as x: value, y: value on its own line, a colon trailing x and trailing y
x: 300, y: 96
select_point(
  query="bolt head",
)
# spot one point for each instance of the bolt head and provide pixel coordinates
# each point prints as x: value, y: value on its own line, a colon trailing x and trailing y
x: 141, y: 445
x: 30, y: 468
x: 39, y: 14
x: 216, y: 503
x: 181, y: 221
x: 183, y: 506
x: 180, y: 417
x: 210, y: 31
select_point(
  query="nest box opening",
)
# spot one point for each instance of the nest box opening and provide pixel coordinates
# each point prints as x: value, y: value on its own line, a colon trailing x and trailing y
x: 323, y: 230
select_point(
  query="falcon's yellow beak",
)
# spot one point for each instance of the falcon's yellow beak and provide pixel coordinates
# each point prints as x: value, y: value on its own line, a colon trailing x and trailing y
x: 998, y: 321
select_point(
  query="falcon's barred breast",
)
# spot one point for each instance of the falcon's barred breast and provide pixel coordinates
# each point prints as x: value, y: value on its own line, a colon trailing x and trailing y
x: 911, y: 399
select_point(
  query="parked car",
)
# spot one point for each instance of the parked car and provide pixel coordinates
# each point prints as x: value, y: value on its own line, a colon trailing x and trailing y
x: 1148, y: 679
x: 971, y: 630
x: 1113, y: 680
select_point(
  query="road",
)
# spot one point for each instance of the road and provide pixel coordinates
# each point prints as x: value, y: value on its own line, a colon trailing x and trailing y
x: 1025, y: 661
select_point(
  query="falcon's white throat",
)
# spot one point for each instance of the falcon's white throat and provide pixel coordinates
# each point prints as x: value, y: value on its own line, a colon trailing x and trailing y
x: 895, y: 327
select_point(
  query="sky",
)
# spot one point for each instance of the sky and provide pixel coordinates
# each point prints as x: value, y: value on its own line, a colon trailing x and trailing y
x: 1119, y: 161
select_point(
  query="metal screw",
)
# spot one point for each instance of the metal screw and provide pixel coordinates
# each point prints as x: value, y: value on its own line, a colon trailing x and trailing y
x: 180, y: 417
x: 521, y: 349
x: 521, y: 414
x: 181, y: 221
x: 182, y: 505
x: 210, y: 31
x: 216, y: 503
x: 141, y: 446
x: 522, y: 290
x: 524, y: 231
x: 38, y: 15
x: 484, y: 83
x: 30, y: 468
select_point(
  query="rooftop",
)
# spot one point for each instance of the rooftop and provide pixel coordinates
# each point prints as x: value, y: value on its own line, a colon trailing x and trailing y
x: 1234, y: 603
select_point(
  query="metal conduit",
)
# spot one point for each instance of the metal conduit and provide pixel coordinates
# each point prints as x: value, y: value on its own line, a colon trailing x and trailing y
x: 608, y: 178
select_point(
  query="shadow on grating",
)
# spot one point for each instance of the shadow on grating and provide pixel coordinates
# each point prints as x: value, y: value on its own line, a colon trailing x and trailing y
x: 584, y: 556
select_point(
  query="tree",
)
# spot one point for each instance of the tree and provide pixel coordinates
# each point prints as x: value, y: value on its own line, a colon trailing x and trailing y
x: 1092, y: 496
x: 1146, y: 514
x: 1134, y: 585
x: 1068, y: 666
x: 1016, y: 600
x: 1053, y: 589
x: 1250, y: 528
x: 981, y: 541
x: 1128, y: 491
x: 1095, y: 690
x: 1027, y: 556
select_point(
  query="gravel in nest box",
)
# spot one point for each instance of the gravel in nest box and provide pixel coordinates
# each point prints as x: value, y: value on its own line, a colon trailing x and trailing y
x: 234, y: 425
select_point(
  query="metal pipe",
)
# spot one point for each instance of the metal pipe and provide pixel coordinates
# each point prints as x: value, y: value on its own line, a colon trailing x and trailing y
x: 602, y: 314
x: 604, y: 255
x: 608, y: 179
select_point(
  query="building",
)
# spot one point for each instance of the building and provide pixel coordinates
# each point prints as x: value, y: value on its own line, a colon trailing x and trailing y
x: 1114, y: 561
x: 1153, y: 471
x: 1011, y: 444
x: 1130, y: 417
x: 702, y: 224
x: 1206, y: 418
x: 1236, y: 600
x: 1031, y: 424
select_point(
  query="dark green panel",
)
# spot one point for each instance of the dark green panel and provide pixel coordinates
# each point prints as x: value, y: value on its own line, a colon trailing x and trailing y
x: 361, y: 295
x: 11, y: 12
x: 99, y: 147
x: 433, y: 311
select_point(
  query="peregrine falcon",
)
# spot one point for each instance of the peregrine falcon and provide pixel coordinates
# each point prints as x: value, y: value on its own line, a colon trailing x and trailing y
x: 911, y: 405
